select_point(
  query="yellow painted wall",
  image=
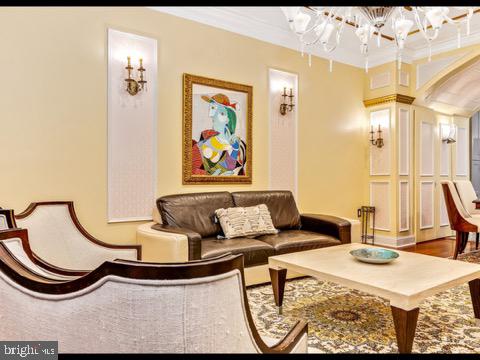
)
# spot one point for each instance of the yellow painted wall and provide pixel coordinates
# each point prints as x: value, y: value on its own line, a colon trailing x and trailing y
x: 53, y: 110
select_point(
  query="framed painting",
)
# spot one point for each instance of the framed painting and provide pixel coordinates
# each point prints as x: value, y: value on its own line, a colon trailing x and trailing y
x: 217, y: 131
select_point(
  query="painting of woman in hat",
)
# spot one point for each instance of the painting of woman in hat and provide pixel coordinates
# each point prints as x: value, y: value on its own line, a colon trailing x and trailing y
x: 219, y: 151
x: 218, y: 122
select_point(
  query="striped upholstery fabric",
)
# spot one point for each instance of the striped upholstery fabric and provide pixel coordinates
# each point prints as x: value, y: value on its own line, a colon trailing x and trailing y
x: 245, y: 221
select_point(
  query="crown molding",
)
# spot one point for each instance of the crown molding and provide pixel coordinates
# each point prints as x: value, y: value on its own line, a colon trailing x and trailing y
x: 448, y: 45
x: 404, y: 99
x: 233, y: 21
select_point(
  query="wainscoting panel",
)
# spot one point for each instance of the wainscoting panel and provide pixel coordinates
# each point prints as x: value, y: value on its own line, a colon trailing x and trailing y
x: 380, y: 80
x: 403, y: 141
x: 462, y: 152
x: 426, y: 204
x: 426, y: 148
x: 444, y: 151
x: 283, y: 133
x: 380, y: 157
x: 404, y: 78
x: 132, y: 130
x: 380, y: 198
x: 403, y: 206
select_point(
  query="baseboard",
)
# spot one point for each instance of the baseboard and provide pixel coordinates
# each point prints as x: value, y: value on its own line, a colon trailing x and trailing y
x: 395, y: 242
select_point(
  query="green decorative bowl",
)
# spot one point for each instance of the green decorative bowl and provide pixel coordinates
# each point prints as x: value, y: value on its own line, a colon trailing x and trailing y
x: 374, y: 255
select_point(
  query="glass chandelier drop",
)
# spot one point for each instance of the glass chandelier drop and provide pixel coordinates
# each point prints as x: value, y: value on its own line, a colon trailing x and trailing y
x: 323, y: 26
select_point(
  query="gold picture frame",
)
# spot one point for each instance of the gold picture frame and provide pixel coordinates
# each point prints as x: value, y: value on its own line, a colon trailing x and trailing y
x: 211, y: 156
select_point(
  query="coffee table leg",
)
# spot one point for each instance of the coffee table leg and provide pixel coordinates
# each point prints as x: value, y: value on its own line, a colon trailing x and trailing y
x: 278, y: 276
x: 475, y: 294
x: 405, y: 324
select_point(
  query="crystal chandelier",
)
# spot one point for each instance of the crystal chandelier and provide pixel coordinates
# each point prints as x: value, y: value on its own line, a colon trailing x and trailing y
x: 322, y: 27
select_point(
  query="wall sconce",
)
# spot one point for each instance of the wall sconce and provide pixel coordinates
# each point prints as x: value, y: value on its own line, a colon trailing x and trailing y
x: 379, y: 141
x: 284, y: 106
x: 134, y: 86
x: 448, y: 133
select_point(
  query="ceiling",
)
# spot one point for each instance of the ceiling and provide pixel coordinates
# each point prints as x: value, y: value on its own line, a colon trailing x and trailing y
x: 268, y: 23
x: 460, y: 89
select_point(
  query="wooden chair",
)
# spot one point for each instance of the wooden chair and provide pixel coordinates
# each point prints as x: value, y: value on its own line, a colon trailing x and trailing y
x: 460, y: 220
x: 125, y: 306
x: 57, y: 237
x: 467, y: 195
x: 14, y: 243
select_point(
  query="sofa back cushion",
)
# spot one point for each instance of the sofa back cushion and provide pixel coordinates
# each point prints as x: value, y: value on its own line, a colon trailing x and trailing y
x: 194, y: 211
x: 281, y: 205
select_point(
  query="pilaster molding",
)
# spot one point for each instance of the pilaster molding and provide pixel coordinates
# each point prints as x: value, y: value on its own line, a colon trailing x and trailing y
x: 404, y: 99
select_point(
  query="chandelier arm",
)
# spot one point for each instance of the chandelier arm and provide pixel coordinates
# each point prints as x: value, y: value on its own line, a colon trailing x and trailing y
x: 320, y: 16
x: 311, y: 28
x: 421, y: 28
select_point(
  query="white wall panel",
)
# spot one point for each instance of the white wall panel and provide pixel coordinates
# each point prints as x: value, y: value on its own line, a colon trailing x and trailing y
x: 445, y: 150
x: 283, y: 133
x: 404, y: 78
x: 403, y: 205
x: 380, y: 157
x: 403, y: 142
x: 462, y: 152
x: 131, y: 129
x: 426, y: 204
x: 380, y: 198
x: 380, y: 80
x: 426, y: 148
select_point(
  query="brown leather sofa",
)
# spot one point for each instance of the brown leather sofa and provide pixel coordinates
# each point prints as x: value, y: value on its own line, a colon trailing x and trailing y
x: 193, y: 215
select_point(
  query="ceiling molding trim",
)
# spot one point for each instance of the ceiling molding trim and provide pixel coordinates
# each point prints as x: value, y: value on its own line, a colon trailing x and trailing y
x: 404, y: 99
x: 448, y: 45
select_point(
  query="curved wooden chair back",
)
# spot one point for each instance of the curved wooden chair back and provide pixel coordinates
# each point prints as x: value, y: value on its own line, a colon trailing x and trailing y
x: 127, y: 306
x: 57, y: 237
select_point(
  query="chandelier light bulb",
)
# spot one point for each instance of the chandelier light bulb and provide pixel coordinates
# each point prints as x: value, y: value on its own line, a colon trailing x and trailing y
x: 363, y: 33
x: 300, y: 22
x: 327, y: 33
x: 436, y: 16
x: 402, y: 28
x: 290, y: 12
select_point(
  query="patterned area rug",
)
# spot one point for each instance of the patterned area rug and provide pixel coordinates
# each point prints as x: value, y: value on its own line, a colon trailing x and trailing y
x: 341, y: 320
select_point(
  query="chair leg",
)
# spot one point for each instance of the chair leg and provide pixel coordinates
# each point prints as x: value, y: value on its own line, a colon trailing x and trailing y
x: 476, y: 241
x: 464, y: 242
x: 457, y: 244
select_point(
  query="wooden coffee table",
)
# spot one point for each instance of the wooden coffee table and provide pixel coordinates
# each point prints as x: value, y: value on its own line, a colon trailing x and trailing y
x: 405, y: 282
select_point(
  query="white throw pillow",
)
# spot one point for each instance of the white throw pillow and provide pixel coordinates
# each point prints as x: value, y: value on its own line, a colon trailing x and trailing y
x: 245, y: 221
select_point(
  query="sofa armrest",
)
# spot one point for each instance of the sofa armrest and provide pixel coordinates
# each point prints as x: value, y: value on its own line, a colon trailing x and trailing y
x: 194, y: 239
x: 328, y: 225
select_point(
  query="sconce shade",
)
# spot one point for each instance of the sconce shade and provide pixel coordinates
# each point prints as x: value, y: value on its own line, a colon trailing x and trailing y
x: 449, y: 137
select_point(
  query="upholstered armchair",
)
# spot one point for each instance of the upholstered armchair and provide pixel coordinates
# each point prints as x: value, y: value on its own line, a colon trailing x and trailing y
x: 467, y: 195
x: 460, y: 220
x: 14, y: 244
x: 57, y: 237
x: 132, y: 307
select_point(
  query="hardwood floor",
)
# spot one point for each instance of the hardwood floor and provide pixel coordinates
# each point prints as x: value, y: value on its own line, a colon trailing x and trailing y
x: 443, y: 247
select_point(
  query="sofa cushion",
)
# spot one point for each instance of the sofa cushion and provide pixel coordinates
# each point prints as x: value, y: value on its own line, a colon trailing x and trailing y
x: 298, y: 240
x: 247, y: 221
x: 194, y: 211
x: 254, y: 252
x: 281, y: 205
